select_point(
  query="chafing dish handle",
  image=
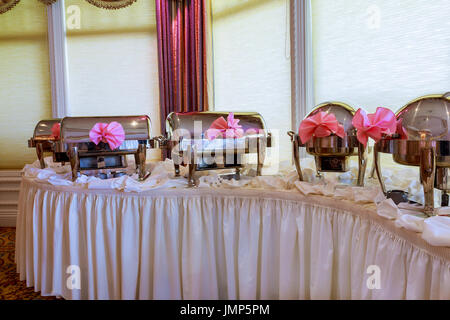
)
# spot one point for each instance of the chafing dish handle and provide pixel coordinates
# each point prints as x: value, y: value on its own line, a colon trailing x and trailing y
x: 427, y: 176
x: 295, y: 153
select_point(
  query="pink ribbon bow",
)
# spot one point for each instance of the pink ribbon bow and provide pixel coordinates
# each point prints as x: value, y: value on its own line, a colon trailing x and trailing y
x: 321, y: 124
x: 228, y: 128
x: 373, y: 125
x: 111, y: 133
x: 56, y: 130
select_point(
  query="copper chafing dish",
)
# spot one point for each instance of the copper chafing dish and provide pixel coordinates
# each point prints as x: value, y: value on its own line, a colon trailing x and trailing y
x: 425, y: 142
x: 85, y: 155
x: 189, y: 146
x: 45, y: 142
x: 332, y: 153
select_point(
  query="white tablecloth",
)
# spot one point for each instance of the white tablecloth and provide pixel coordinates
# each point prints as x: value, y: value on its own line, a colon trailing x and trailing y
x: 206, y: 243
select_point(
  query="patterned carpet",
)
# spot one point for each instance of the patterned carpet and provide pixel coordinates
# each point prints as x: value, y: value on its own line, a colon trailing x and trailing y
x: 11, y: 288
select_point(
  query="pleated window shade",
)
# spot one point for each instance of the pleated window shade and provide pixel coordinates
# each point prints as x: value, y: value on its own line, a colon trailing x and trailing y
x: 380, y: 52
x: 252, y: 62
x: 113, y: 61
x: 25, y: 89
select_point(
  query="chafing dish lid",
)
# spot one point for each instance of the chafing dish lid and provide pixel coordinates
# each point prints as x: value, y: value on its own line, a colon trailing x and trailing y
x: 427, y: 117
x: 43, y: 129
x: 343, y: 113
x: 76, y: 129
x: 186, y: 121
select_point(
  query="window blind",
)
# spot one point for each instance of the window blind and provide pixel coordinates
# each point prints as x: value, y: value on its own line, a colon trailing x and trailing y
x: 380, y: 52
x: 252, y: 63
x: 25, y: 88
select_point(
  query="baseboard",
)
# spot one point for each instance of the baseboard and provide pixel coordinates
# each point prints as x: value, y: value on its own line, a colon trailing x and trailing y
x: 8, y: 220
x: 9, y: 196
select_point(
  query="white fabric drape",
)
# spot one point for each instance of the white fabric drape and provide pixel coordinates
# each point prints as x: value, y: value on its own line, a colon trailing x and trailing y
x: 206, y: 244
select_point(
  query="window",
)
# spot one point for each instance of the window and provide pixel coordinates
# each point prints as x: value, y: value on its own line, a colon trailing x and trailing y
x: 252, y: 62
x: 25, y: 87
x: 113, y: 62
x: 380, y: 52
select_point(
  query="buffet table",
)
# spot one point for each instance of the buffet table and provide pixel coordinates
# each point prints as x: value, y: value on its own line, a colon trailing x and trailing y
x: 199, y: 243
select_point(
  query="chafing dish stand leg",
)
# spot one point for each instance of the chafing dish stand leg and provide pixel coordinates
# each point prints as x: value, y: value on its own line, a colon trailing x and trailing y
x: 372, y: 169
x: 376, y: 161
x: 140, y: 157
x: 40, y: 154
x: 362, y: 164
x: 296, y: 154
x: 317, y: 161
x: 191, y: 166
x: 427, y: 176
x: 74, y: 162
x: 261, y: 155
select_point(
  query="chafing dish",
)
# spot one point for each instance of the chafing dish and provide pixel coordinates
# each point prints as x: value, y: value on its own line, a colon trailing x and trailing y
x: 85, y: 155
x: 189, y: 146
x: 46, y: 142
x: 424, y: 141
x: 332, y: 153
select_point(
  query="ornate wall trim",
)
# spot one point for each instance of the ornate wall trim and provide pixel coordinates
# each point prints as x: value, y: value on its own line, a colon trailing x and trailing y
x: 111, y: 4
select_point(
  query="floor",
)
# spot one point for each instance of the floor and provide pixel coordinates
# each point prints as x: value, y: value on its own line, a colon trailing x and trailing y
x: 11, y: 288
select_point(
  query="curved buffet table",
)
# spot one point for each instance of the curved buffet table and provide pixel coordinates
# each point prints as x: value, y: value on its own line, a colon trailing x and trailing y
x: 207, y: 244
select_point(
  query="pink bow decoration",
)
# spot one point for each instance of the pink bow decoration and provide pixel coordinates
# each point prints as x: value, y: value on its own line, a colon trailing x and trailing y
x: 56, y: 130
x: 111, y: 133
x: 321, y: 124
x: 226, y: 128
x: 373, y: 125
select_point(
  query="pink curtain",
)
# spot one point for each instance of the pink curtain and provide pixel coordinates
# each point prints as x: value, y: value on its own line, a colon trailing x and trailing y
x: 181, y: 26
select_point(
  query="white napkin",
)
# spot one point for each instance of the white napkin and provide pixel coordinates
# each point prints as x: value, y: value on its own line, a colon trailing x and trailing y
x: 436, y: 231
x: 410, y: 206
x: 388, y: 209
x: 132, y: 185
x: 412, y: 222
x: 310, y: 188
x: 443, y: 211
x: 344, y: 192
x: 367, y: 194
x: 60, y: 180
x: 114, y: 183
x: 269, y: 182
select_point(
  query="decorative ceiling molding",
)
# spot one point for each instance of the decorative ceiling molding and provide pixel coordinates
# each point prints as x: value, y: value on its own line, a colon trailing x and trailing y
x: 48, y: 2
x: 111, y: 4
x: 6, y: 5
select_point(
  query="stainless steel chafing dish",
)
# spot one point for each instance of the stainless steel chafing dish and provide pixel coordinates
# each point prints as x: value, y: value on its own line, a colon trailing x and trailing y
x: 188, y: 144
x: 45, y: 142
x: 85, y: 155
x: 425, y: 143
x: 332, y: 153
